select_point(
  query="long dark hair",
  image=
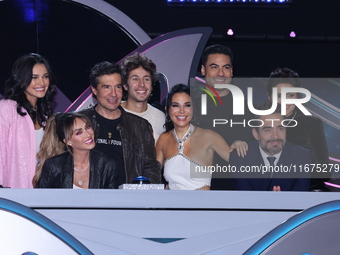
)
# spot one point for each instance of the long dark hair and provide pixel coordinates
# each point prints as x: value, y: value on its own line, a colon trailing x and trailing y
x: 178, y: 88
x: 18, y: 82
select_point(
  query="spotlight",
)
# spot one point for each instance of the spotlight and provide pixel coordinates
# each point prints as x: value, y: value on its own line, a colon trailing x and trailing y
x: 234, y: 3
x: 292, y: 34
x: 230, y: 32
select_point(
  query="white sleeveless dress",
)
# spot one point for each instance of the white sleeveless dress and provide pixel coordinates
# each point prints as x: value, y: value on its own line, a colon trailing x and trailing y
x: 181, y: 173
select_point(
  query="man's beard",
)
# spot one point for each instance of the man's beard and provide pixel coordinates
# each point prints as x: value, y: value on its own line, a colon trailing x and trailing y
x: 274, y: 149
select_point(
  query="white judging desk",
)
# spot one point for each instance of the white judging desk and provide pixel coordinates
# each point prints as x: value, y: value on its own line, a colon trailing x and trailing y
x: 167, y: 222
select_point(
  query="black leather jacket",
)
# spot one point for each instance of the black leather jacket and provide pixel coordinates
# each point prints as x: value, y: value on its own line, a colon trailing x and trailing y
x: 58, y: 172
x: 138, y: 145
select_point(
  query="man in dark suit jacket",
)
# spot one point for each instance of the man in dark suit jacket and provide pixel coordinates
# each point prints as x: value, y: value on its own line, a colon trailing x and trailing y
x: 271, y: 151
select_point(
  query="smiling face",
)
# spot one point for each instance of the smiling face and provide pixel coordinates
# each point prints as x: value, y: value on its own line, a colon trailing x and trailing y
x: 109, y: 94
x: 272, y: 135
x: 180, y: 110
x: 289, y: 107
x: 39, y: 84
x: 217, y: 70
x: 82, y: 138
x: 139, y: 85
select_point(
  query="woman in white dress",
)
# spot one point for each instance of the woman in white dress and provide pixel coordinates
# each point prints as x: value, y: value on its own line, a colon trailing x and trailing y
x: 184, y: 150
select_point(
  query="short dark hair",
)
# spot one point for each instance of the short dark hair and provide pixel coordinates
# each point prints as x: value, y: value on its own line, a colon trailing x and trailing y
x: 282, y: 75
x: 216, y: 49
x: 134, y: 61
x: 178, y: 88
x: 103, y: 68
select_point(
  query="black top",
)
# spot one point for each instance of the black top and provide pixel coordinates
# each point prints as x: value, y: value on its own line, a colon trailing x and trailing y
x: 139, y: 154
x: 109, y: 142
x: 236, y: 128
x: 309, y: 134
x: 57, y: 172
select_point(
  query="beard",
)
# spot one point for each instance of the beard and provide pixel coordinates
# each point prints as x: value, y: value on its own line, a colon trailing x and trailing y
x: 274, y: 149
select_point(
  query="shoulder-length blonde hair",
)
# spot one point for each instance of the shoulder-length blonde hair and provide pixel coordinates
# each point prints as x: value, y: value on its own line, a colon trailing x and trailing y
x: 58, y: 131
x: 50, y: 146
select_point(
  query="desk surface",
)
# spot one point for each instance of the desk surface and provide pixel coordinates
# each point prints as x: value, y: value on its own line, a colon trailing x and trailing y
x: 68, y: 198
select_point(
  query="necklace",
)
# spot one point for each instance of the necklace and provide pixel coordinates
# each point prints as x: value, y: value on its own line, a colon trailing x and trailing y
x: 79, y: 171
x: 181, y: 142
x: 80, y: 182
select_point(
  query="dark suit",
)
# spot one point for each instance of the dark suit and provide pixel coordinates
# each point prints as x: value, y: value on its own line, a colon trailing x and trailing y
x: 292, y: 155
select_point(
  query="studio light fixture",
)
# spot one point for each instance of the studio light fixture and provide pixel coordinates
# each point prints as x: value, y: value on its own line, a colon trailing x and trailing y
x: 230, y: 32
x: 292, y: 34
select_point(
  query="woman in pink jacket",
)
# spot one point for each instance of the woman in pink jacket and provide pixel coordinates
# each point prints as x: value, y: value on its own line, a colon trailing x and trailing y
x: 23, y: 114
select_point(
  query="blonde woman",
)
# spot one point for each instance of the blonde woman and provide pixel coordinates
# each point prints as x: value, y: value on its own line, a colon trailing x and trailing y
x: 79, y: 167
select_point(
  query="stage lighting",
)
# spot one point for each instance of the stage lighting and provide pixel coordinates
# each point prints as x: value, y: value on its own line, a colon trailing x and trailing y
x: 230, y: 32
x: 232, y: 3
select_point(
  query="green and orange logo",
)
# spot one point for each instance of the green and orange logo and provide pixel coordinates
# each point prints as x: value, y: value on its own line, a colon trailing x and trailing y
x: 211, y: 94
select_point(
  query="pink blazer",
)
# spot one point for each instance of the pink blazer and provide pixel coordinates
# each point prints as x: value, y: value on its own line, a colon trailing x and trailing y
x: 17, y: 147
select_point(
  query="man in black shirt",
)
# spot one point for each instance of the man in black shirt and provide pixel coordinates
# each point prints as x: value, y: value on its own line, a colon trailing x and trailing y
x: 119, y: 134
x: 217, y: 68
